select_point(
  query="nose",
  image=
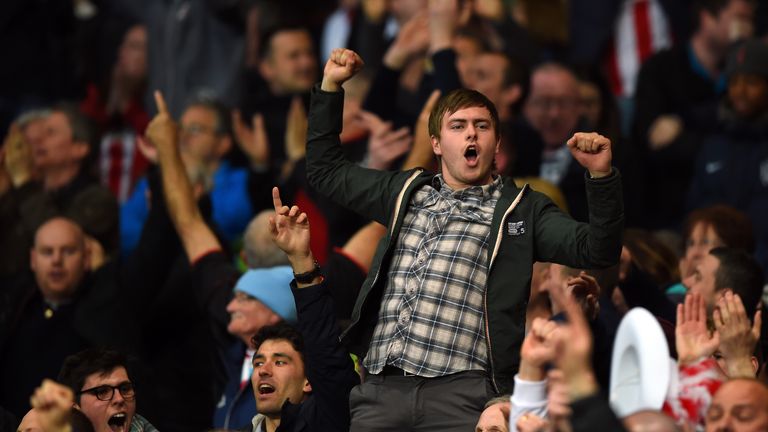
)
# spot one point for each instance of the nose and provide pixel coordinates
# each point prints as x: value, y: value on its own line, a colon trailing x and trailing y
x: 117, y: 397
x: 697, y: 250
x: 265, y: 369
x: 231, y: 305
x: 688, y: 282
x: 471, y: 131
x: 57, y: 256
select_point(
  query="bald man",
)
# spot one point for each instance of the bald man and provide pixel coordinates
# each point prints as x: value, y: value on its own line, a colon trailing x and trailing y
x: 59, y: 259
x: 740, y: 405
x: 57, y: 309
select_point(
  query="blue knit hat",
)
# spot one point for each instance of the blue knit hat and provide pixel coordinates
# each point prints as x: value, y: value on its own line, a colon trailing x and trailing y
x: 271, y: 286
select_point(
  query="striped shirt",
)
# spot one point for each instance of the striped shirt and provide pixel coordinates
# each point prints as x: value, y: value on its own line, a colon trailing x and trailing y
x: 431, y: 318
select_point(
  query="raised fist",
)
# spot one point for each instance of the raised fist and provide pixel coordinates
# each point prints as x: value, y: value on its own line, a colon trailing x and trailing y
x: 342, y: 65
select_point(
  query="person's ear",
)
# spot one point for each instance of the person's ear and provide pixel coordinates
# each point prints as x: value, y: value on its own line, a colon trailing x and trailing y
x: 307, y: 387
x: 79, y: 150
x: 435, y: 145
x: 266, y: 70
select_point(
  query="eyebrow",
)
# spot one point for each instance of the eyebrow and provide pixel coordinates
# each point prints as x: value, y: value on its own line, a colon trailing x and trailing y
x: 277, y: 354
x: 464, y: 120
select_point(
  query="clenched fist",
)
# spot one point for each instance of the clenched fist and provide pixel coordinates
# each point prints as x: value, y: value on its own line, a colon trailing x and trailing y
x: 342, y: 65
x: 592, y: 151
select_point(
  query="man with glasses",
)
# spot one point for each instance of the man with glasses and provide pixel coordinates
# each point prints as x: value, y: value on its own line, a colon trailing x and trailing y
x: 205, y: 138
x: 552, y: 110
x: 103, y: 390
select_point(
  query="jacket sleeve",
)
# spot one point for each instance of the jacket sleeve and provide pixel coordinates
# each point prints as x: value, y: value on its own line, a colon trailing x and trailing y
x: 370, y: 193
x: 597, y: 244
x: 328, y: 365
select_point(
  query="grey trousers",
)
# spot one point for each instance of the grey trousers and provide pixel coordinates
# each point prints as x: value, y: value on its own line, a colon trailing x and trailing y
x: 411, y: 403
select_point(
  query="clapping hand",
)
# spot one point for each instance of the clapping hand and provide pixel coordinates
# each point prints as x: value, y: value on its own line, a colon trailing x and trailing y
x: 692, y: 338
x: 738, y: 336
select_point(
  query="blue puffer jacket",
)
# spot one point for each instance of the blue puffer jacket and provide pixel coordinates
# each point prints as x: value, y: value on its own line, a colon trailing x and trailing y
x: 232, y: 208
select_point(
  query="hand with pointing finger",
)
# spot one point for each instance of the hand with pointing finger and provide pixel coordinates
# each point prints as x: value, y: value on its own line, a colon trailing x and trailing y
x: 592, y: 151
x: 162, y: 131
x: 290, y: 229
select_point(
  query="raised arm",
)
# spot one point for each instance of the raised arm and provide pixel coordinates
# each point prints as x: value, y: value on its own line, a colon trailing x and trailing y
x: 327, y: 364
x: 562, y: 240
x: 368, y: 192
x: 196, y: 237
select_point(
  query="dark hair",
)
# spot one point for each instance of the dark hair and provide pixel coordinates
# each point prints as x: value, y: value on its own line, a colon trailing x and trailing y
x: 82, y: 127
x: 459, y: 99
x: 515, y: 72
x: 652, y: 256
x: 265, y: 47
x: 282, y: 331
x: 78, y: 367
x: 731, y: 225
x: 712, y: 7
x: 739, y: 272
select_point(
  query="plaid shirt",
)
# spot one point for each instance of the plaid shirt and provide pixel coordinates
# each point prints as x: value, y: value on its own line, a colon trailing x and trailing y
x: 431, y: 317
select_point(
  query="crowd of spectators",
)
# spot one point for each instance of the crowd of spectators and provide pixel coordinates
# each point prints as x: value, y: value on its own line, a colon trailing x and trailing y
x: 148, y: 264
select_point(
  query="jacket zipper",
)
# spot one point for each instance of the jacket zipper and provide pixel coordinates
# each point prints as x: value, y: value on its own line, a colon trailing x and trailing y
x: 398, y: 204
x: 496, y: 246
x: 228, y: 416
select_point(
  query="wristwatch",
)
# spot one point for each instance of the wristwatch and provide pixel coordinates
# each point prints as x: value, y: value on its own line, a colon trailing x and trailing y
x: 308, y: 277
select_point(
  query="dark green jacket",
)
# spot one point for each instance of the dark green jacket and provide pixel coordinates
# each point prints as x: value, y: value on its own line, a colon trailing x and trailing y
x: 526, y: 227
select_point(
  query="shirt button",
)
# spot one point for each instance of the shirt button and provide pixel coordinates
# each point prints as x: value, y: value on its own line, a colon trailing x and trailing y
x: 404, y: 316
x: 397, y: 346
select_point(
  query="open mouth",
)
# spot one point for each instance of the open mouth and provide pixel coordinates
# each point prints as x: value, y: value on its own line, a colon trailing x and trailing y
x: 266, y: 389
x: 117, y: 422
x: 470, y: 154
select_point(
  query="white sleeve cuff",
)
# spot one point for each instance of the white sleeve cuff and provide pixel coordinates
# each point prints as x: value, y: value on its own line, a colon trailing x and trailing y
x: 529, y: 395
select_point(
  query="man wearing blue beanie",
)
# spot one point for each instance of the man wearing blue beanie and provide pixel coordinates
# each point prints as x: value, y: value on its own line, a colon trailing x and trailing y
x: 261, y: 297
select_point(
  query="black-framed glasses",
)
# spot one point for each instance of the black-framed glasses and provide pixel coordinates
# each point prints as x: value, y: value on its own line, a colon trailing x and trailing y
x: 105, y: 392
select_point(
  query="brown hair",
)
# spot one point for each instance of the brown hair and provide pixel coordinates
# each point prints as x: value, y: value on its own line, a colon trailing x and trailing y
x: 459, y: 99
x: 731, y: 225
x: 652, y: 256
